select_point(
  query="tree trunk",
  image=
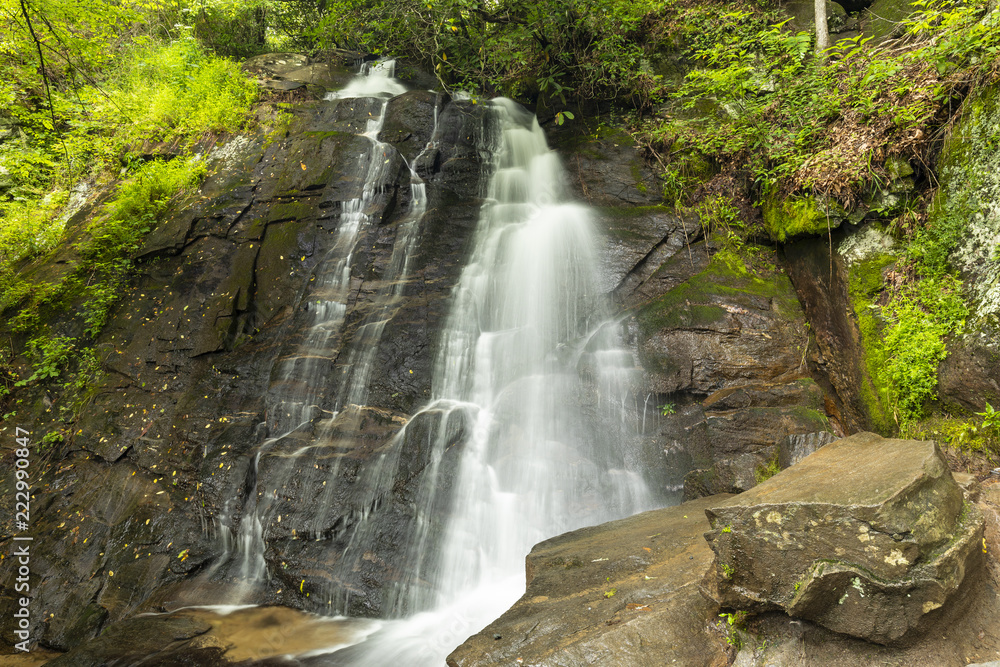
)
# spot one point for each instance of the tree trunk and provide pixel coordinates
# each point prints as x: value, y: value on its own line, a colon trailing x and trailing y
x: 822, y: 32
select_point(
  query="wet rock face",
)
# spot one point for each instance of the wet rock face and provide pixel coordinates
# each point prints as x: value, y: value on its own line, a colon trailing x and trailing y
x: 284, y: 72
x: 622, y: 593
x: 969, y: 377
x: 869, y: 555
x: 130, y: 512
x: 724, y: 352
x: 819, y: 275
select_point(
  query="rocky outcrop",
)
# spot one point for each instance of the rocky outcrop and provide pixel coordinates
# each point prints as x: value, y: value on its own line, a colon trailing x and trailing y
x: 629, y: 592
x: 787, y: 218
x: 865, y: 537
x: 622, y: 593
x: 258, y: 636
x: 724, y: 350
x: 822, y: 279
x: 286, y: 72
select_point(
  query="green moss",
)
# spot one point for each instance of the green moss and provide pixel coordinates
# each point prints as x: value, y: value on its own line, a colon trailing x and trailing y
x: 325, y: 134
x: 640, y: 185
x: 966, y: 433
x: 864, y: 284
x: 282, y: 211
x: 694, y: 303
x: 767, y: 470
x: 794, y: 216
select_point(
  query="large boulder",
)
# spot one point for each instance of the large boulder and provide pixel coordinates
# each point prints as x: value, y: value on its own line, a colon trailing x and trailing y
x: 869, y: 556
x: 622, y: 593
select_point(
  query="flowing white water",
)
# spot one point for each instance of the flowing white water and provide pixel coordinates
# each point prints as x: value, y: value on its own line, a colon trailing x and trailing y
x: 529, y: 359
x: 304, y: 377
x: 376, y: 79
x: 524, y: 314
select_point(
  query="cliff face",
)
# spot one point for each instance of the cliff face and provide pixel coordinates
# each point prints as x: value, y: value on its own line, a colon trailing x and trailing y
x: 745, y: 365
x: 165, y: 446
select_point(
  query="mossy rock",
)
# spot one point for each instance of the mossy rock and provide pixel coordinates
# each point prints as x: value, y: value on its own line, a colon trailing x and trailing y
x: 704, y: 334
x: 865, y: 282
x: 796, y: 216
x: 963, y: 215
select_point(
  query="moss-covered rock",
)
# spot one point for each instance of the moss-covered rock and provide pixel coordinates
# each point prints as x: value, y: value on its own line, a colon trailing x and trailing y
x: 724, y: 326
x: 966, y: 210
x: 866, y: 263
x: 803, y: 14
x: 799, y: 215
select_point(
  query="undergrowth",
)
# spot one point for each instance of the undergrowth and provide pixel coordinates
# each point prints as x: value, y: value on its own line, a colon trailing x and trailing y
x: 760, y: 117
x: 122, y: 82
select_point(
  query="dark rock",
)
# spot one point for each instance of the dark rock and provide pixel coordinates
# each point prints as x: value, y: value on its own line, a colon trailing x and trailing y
x: 734, y: 439
x: 135, y: 640
x: 605, y: 167
x: 409, y: 122
x: 968, y: 376
x: 165, y: 439
x: 721, y: 328
x: 820, y: 278
x: 869, y: 556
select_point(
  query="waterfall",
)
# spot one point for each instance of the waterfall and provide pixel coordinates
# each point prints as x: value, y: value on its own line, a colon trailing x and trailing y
x: 529, y: 360
x: 298, y: 410
x: 528, y: 431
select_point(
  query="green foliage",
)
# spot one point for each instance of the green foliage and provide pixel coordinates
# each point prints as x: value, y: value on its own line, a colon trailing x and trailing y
x: 551, y: 50
x: 767, y: 470
x: 915, y: 341
x: 100, y: 277
x: 736, y: 628
x: 991, y: 420
x: 31, y: 228
x: 49, y: 356
x: 904, y: 338
x: 666, y: 409
x: 48, y: 441
x: 113, y: 78
x: 794, y: 122
x: 179, y: 90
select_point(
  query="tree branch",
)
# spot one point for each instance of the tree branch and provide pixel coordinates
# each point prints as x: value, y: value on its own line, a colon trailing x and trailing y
x: 45, y: 77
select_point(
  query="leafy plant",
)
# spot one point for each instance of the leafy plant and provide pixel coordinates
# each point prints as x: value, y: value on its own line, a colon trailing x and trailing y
x: 736, y: 628
x: 991, y: 419
x: 666, y: 409
x: 49, y: 356
x: 767, y: 470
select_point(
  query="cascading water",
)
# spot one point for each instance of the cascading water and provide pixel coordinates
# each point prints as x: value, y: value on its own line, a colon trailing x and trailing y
x: 528, y: 429
x: 295, y: 401
x: 526, y: 346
